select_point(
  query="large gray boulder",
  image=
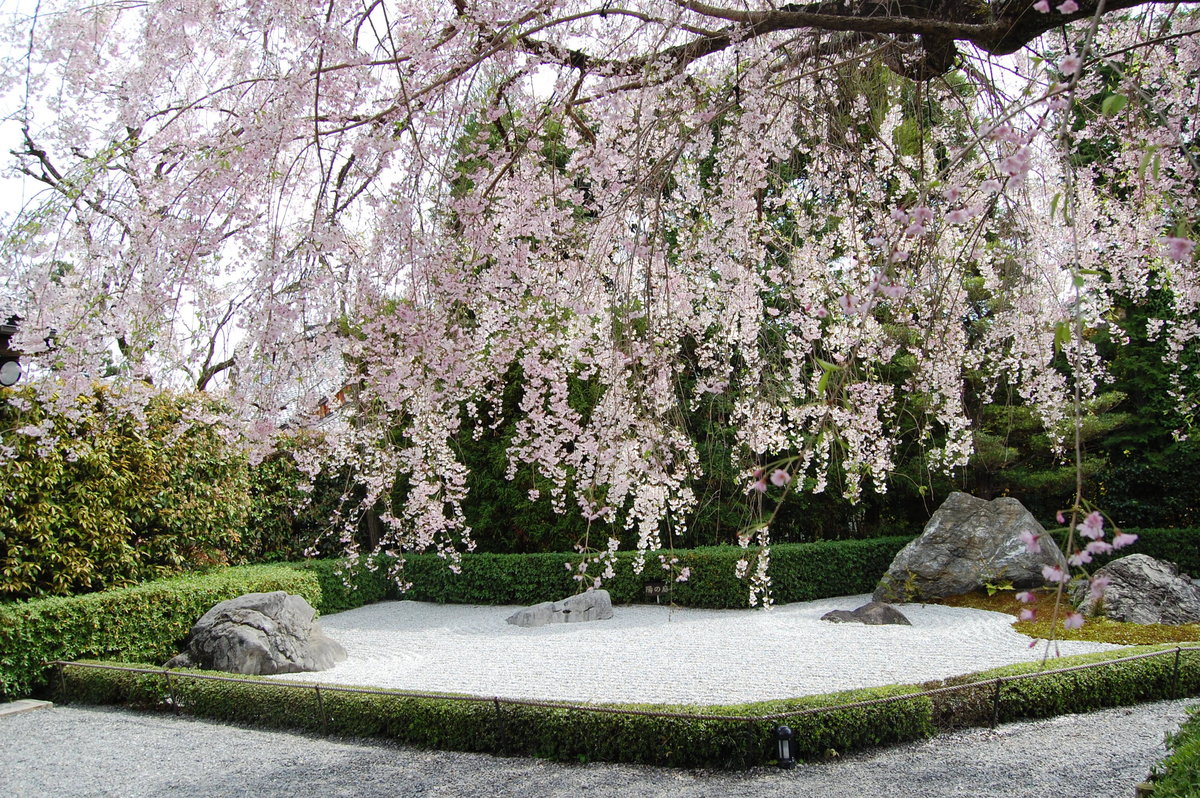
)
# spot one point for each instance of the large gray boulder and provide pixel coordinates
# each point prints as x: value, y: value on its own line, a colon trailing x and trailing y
x: 594, y: 605
x: 876, y: 613
x: 262, y: 634
x: 1142, y: 589
x: 967, y: 544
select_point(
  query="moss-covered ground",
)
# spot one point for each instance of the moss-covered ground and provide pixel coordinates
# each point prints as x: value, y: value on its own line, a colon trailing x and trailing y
x: 1099, y: 630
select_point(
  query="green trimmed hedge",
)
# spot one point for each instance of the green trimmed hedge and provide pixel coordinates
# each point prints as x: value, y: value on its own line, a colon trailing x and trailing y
x: 558, y: 732
x: 1120, y: 684
x: 1178, y: 776
x: 554, y: 731
x: 799, y: 572
x: 143, y: 623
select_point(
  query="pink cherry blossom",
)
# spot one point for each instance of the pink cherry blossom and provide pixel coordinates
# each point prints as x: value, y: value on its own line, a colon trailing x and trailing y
x: 1096, y: 587
x: 1026, y: 614
x: 1098, y: 547
x: 1026, y: 597
x: 1082, y: 557
x: 1067, y: 7
x: 922, y: 214
x: 1070, y: 64
x: 1073, y: 621
x: 1043, y: 6
x: 1031, y: 541
x: 779, y: 477
x: 1123, y: 539
x: 1092, y: 526
x: 1054, y: 574
x: 280, y: 202
x: 1179, y: 249
x: 851, y: 305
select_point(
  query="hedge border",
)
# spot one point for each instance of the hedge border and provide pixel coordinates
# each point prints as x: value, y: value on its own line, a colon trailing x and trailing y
x: 150, y: 621
x: 723, y: 736
x: 140, y: 623
x: 799, y: 572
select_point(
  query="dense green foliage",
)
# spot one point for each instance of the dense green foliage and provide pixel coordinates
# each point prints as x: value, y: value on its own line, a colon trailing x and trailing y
x: 556, y: 732
x: 287, y: 517
x: 99, y: 499
x: 1178, y: 776
x: 143, y: 623
x: 1149, y: 476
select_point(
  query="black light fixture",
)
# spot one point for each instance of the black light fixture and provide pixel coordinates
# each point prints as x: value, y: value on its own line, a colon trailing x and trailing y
x: 10, y: 363
x: 783, y: 738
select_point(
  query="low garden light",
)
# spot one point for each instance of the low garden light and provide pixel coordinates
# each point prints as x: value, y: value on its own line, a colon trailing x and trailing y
x: 783, y: 738
x: 10, y: 363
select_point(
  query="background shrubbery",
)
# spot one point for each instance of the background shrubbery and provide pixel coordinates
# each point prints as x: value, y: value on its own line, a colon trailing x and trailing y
x: 101, y: 499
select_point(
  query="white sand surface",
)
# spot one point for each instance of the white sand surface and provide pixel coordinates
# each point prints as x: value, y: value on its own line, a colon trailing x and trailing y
x: 657, y: 654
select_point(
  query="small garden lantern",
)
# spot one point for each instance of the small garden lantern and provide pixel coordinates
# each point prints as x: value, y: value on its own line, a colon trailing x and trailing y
x: 784, y: 737
x: 10, y: 362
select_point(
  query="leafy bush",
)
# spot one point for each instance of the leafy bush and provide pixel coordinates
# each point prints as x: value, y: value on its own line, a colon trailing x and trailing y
x: 1178, y: 776
x: 95, y: 498
x: 143, y: 623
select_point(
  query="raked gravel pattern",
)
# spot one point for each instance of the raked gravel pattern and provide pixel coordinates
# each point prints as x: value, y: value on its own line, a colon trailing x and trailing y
x: 660, y: 654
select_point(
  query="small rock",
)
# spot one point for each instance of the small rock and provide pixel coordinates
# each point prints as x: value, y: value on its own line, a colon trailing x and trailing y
x: 594, y: 605
x: 875, y: 613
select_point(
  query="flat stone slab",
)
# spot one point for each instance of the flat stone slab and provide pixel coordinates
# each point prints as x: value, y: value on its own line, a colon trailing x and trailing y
x: 24, y: 705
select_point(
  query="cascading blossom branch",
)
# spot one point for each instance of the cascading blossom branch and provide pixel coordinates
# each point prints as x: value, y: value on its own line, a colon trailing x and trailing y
x: 1090, y: 528
x: 415, y: 207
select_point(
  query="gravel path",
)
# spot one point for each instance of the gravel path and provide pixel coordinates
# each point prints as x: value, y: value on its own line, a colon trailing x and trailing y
x: 74, y: 751
x: 648, y: 653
